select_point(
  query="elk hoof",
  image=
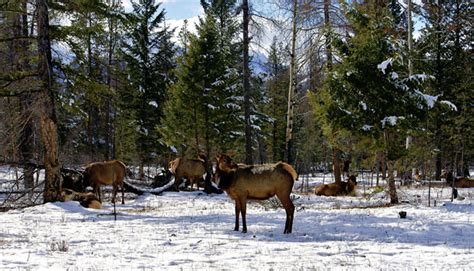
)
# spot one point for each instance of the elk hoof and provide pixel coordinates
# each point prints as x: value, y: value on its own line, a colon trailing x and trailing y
x: 244, y: 231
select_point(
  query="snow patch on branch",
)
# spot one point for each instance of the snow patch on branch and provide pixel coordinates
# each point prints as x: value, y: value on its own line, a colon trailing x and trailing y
x: 450, y: 104
x: 430, y: 100
x: 384, y: 65
x: 391, y: 120
x: 367, y: 127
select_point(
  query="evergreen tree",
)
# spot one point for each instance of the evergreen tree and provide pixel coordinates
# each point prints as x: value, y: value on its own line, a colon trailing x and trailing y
x: 202, y: 111
x: 445, y: 53
x: 148, y: 53
x: 84, y: 93
x: 368, y: 92
x: 275, y: 106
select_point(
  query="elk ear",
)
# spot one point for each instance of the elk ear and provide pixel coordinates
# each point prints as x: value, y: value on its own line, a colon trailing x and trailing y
x: 231, y: 154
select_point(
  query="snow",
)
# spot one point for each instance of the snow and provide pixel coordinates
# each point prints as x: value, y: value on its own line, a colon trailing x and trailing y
x: 394, y: 75
x: 194, y: 231
x: 367, y: 127
x: 153, y: 103
x: 450, y: 104
x: 392, y: 120
x: 383, y: 66
x: 346, y: 111
x: 429, y: 99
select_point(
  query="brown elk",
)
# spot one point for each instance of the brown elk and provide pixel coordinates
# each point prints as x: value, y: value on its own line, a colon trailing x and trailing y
x: 191, y: 169
x: 88, y: 200
x: 256, y: 182
x: 105, y: 173
x: 462, y: 182
x: 337, y: 189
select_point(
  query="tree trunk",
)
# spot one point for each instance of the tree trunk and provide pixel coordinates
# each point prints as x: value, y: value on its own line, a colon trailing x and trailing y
x: 383, y: 165
x: 336, y: 164
x: 48, y: 120
x: 20, y: 64
x: 111, y: 48
x: 261, y: 149
x: 392, y: 189
x: 246, y: 83
x: 291, y: 90
x: 90, y: 129
x: 327, y: 25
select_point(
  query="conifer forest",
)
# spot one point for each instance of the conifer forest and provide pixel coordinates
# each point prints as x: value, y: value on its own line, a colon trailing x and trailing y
x: 236, y: 135
x: 326, y: 86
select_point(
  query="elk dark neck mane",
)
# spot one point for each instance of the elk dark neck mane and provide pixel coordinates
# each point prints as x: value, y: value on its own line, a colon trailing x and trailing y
x: 225, y: 178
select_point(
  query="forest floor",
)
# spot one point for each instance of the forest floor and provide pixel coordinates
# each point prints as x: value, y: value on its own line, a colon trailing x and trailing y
x: 194, y: 231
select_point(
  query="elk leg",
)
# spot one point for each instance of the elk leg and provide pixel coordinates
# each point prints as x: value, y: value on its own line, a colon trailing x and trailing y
x: 290, y: 210
x: 114, y: 193
x: 243, y: 209
x: 177, y: 182
x: 191, y: 182
x: 123, y: 192
x: 237, y: 213
x: 97, y: 191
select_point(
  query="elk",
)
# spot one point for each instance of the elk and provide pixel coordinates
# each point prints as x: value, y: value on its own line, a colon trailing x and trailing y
x: 462, y: 182
x: 105, y: 173
x: 191, y: 169
x: 88, y: 200
x: 256, y: 182
x: 337, y: 189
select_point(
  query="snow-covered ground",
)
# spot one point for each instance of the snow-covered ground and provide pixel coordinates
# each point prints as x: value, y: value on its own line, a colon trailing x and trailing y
x: 194, y: 231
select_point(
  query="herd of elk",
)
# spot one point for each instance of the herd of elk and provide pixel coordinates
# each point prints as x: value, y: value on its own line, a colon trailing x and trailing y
x: 191, y: 169
x: 337, y: 189
x: 256, y: 182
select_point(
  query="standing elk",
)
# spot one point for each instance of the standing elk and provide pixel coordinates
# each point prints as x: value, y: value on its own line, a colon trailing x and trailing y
x: 191, y: 169
x: 105, y: 173
x: 256, y: 182
x: 337, y: 189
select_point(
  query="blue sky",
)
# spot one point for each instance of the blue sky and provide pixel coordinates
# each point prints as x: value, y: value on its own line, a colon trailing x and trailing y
x: 182, y: 9
x: 176, y: 9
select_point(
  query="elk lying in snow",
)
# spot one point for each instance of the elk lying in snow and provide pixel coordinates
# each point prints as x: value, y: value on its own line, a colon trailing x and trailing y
x: 105, y: 173
x: 191, y: 169
x: 88, y: 200
x: 462, y: 182
x: 256, y: 182
x: 337, y: 189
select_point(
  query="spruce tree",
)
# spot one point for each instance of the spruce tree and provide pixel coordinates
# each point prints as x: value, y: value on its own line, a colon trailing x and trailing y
x: 368, y: 92
x: 148, y: 53
x: 275, y: 106
x: 445, y: 54
x: 203, y: 108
